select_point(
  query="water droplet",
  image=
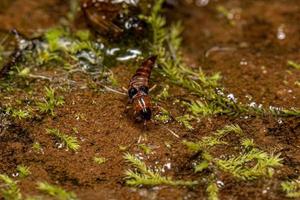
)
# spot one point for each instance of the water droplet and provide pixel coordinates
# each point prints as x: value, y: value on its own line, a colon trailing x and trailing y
x: 112, y: 51
x: 201, y: 3
x: 280, y: 33
x: 243, y: 62
x: 130, y: 54
x: 231, y: 97
x: 220, y: 183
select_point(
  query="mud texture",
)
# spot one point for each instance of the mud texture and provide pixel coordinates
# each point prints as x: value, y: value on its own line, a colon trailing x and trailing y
x: 251, y: 56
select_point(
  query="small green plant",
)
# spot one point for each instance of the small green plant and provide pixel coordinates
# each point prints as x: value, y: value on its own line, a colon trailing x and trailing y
x: 293, y: 64
x: 122, y: 147
x: 291, y: 188
x: 146, y: 149
x: 69, y: 141
x: 203, y: 109
x: 212, y: 191
x: 53, y: 37
x: 163, y: 116
x: 18, y: 113
x: 185, y: 120
x: 23, y: 171
x: 157, y: 23
x: 229, y: 14
x: 50, y: 102
x: 251, y: 163
x: 247, y: 143
x: 23, y: 72
x: 44, y: 57
x: 9, y: 190
x: 208, y: 142
x: 83, y: 35
x: 143, y: 176
x: 99, y: 160
x: 263, y: 164
x: 55, y: 191
x: 164, y: 94
x: 113, y: 81
x: 37, y: 147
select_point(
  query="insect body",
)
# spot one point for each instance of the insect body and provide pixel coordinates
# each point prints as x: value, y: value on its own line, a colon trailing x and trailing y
x: 139, y: 89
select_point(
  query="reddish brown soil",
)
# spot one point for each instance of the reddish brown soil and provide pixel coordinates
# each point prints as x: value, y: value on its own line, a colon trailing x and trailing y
x: 31, y: 16
x: 103, y: 125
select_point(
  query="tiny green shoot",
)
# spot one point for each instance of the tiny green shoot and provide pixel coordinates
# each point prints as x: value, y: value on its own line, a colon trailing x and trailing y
x: 23, y: 171
x: 293, y: 64
x: 55, y: 191
x: 143, y: 176
x: 9, y: 190
x: 99, y: 160
x: 70, y: 142
x: 291, y: 188
x: 50, y: 102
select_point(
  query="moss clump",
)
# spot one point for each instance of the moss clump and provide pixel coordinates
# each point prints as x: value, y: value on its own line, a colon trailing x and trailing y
x: 23, y: 171
x: 252, y: 163
x: 55, y: 191
x: 69, y: 141
x: 9, y: 190
x: 143, y: 176
x: 291, y: 188
x: 50, y: 102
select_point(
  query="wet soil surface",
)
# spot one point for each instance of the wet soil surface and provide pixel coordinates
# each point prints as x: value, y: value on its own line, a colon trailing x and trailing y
x: 250, y: 51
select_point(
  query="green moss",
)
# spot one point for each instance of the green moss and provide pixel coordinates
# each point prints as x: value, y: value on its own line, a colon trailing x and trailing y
x: 70, y: 142
x: 53, y: 36
x: 291, y: 188
x: 212, y: 191
x: 163, y: 116
x: 9, y: 190
x: 18, y: 113
x: 55, y: 191
x: 185, y: 121
x: 23, y: 171
x: 143, y: 176
x: 263, y: 164
x: 37, y: 147
x: 99, y: 160
x: 146, y: 149
x: 83, y: 35
x: 50, y: 102
x: 293, y: 64
x: 250, y: 163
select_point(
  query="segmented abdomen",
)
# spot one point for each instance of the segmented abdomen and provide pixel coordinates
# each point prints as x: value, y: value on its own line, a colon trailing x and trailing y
x: 142, y: 75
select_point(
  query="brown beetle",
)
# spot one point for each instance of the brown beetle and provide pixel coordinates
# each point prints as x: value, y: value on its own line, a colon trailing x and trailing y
x: 139, y: 88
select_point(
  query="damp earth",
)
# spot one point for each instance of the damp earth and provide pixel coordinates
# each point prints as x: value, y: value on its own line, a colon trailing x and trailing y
x: 65, y: 115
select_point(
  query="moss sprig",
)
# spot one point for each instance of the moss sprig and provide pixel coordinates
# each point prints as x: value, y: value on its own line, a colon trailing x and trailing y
x: 70, y: 142
x: 143, y: 176
x: 291, y: 188
x: 50, y: 101
x: 166, y: 42
x: 262, y: 164
x: 56, y: 192
x: 23, y: 171
x: 10, y: 190
x: 251, y: 164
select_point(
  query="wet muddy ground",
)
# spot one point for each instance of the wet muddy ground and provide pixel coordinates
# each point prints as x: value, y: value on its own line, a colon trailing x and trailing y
x: 249, y: 45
